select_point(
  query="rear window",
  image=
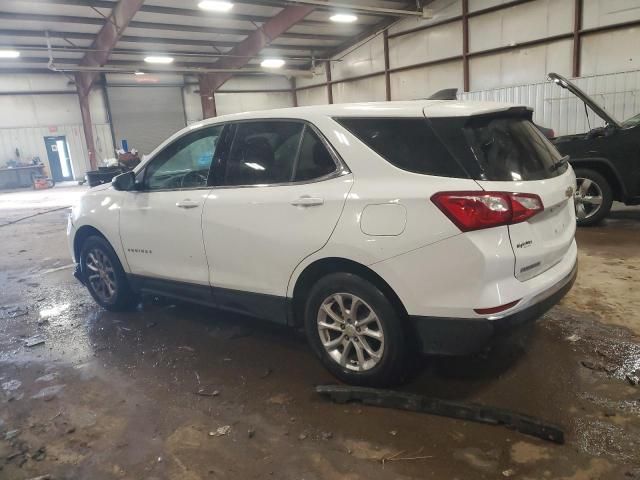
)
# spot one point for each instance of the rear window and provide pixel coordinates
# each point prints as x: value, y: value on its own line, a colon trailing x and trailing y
x: 407, y: 143
x: 511, y: 149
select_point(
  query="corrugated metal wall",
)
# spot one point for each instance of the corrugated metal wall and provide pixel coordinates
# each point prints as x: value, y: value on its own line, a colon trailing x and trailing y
x: 555, y: 107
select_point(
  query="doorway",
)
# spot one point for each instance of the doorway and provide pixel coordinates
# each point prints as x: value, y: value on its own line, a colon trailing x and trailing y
x: 59, y: 159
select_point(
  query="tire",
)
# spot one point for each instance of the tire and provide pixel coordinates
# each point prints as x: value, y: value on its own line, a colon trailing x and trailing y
x: 388, y: 366
x: 97, y: 257
x: 588, y: 214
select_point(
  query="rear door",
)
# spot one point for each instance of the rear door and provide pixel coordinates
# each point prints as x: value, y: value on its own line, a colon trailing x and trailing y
x: 514, y: 156
x: 280, y: 191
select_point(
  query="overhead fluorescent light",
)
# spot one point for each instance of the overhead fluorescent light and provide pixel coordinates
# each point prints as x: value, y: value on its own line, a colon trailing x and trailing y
x: 138, y: 73
x: 215, y: 5
x: 272, y: 63
x: 9, y: 54
x: 158, y: 59
x: 343, y: 18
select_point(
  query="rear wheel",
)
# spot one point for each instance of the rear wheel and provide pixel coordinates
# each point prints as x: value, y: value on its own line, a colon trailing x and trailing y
x: 593, y: 197
x: 355, y: 331
x: 104, y: 276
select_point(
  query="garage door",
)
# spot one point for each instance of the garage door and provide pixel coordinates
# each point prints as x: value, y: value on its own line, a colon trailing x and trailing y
x: 145, y: 116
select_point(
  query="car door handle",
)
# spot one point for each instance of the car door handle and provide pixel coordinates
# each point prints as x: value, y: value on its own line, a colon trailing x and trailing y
x: 187, y: 204
x: 307, y: 201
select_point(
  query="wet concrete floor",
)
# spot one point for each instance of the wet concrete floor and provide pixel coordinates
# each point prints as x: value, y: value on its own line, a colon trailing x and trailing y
x: 138, y: 395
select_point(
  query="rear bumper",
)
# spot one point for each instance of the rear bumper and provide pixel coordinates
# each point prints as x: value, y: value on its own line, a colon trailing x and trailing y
x: 463, y: 336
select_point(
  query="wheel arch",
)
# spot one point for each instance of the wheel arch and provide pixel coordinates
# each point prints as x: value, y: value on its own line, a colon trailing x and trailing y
x: 324, y: 266
x: 605, y: 168
x: 81, y: 235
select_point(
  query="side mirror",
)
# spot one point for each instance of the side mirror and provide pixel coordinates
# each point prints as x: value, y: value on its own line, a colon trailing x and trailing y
x: 124, y: 182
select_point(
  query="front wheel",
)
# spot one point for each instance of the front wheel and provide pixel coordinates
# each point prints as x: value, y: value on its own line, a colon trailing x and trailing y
x: 355, y: 331
x: 104, y: 276
x: 594, y: 197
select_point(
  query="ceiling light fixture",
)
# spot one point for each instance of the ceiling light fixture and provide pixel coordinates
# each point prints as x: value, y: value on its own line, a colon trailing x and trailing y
x: 158, y: 59
x: 138, y: 73
x: 272, y: 63
x: 9, y: 54
x: 343, y: 18
x: 215, y: 5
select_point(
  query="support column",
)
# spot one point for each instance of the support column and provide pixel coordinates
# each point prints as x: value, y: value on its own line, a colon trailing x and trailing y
x: 207, y: 97
x: 329, y: 85
x: 387, y: 75
x: 465, y: 44
x: 577, y: 26
x: 294, y: 92
x: 87, y: 126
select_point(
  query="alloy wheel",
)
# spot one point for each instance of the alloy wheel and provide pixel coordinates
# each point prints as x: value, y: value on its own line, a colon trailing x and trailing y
x: 588, y: 198
x: 101, y: 274
x: 350, y: 332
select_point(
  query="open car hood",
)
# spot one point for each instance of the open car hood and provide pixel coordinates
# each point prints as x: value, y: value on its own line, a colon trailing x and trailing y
x: 601, y: 112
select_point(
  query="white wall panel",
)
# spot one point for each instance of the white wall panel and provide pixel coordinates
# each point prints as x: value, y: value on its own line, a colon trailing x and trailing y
x: 432, y: 44
x: 557, y: 108
x: 263, y: 82
x: 610, y: 52
x: 30, y: 83
x: 521, y: 65
x: 596, y: 13
x: 313, y: 96
x: 442, y: 9
x: 521, y: 23
x: 366, y: 90
x: 368, y: 58
x: 30, y: 142
x: 192, y: 104
x: 319, y: 77
x: 422, y: 82
x: 227, y: 103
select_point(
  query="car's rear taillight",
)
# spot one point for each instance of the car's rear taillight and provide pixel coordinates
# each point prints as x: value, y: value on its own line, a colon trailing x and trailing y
x: 478, y: 210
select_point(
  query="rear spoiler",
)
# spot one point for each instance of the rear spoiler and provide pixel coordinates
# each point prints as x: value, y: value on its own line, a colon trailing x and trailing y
x: 445, y: 94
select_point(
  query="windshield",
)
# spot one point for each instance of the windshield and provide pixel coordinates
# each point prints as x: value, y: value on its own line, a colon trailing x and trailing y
x: 631, y: 122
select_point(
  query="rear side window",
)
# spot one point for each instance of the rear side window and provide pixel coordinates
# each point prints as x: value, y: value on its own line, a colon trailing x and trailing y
x: 512, y: 149
x: 407, y: 143
x: 314, y: 160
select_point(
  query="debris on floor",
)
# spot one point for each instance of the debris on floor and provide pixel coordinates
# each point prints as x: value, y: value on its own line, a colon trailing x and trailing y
x: 598, y: 366
x: 33, y: 341
x: 447, y: 408
x: 220, y: 431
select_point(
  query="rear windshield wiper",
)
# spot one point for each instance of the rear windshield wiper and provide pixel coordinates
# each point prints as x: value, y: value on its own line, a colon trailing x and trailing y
x: 559, y: 164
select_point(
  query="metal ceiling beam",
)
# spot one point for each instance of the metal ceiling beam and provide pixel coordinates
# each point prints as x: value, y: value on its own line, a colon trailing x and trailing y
x: 27, y: 17
x: 106, y: 39
x: 157, y: 40
x: 360, y: 8
x: 142, y: 53
x: 252, y: 45
x: 185, y: 12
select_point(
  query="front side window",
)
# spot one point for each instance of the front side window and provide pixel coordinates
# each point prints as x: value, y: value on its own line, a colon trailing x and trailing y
x: 185, y: 163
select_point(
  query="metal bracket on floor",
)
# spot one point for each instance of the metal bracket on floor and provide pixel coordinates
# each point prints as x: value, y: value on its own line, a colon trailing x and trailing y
x: 473, y: 412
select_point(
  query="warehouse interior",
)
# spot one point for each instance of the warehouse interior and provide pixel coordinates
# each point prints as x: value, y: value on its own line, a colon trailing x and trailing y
x: 179, y: 391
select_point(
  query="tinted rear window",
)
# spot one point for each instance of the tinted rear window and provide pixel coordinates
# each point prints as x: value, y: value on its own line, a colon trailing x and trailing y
x: 511, y: 149
x: 407, y: 143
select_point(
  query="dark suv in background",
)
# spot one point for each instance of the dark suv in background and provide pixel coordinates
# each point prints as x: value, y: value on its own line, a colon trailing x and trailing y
x: 606, y: 160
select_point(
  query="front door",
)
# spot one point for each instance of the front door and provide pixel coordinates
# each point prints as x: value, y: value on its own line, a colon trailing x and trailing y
x: 277, y: 201
x: 59, y: 159
x: 160, y: 223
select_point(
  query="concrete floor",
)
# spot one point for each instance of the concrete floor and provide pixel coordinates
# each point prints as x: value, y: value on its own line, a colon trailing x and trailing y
x: 113, y: 396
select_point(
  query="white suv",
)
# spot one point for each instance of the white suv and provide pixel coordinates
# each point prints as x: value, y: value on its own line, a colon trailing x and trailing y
x: 383, y: 228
